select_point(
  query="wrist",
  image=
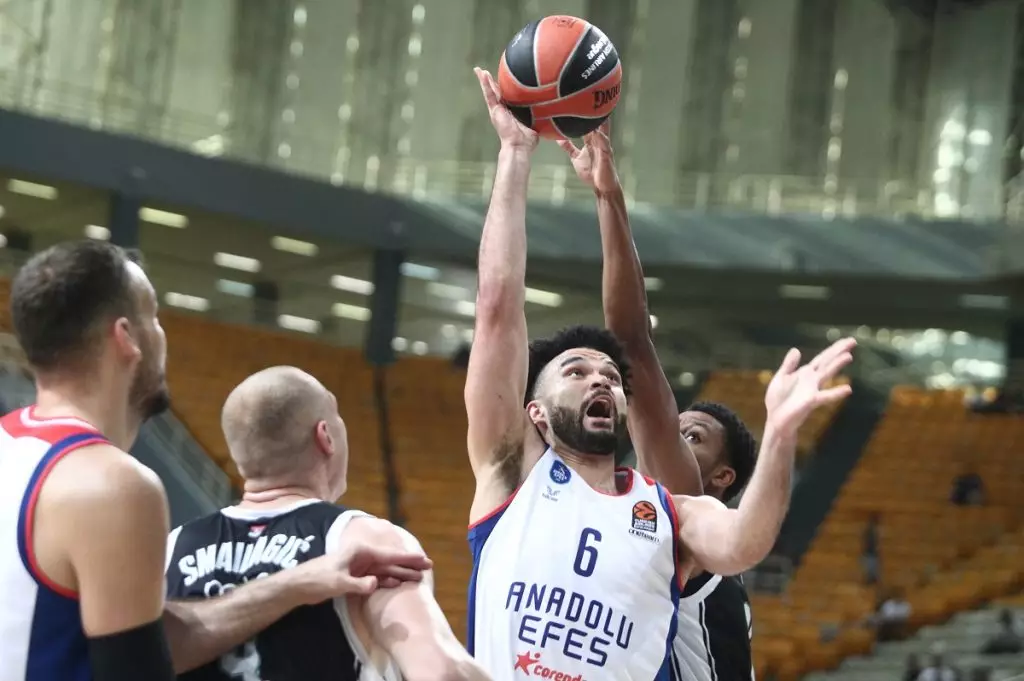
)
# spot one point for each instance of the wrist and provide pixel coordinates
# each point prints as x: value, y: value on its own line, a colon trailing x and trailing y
x: 778, y: 435
x: 614, y: 194
x: 515, y: 151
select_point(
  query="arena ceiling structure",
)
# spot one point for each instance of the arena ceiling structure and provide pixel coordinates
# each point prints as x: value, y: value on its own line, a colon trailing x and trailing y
x: 208, y: 264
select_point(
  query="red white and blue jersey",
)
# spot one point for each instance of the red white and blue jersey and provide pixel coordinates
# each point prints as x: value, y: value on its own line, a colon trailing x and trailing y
x: 41, y: 636
x: 575, y: 584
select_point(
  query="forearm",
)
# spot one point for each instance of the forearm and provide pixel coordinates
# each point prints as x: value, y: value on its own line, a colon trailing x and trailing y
x: 766, y: 499
x: 502, y: 258
x: 622, y: 283
x: 199, y: 631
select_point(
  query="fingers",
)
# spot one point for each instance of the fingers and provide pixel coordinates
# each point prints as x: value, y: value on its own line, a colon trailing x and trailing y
x: 568, y: 147
x: 413, y: 560
x: 790, y: 362
x: 397, y: 572
x: 825, y: 357
x: 495, y: 90
x: 485, y: 86
x: 361, y: 586
x: 831, y: 395
x: 836, y: 365
x: 388, y: 582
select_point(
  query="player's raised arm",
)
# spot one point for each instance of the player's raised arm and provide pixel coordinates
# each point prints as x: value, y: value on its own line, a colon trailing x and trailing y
x: 726, y: 541
x: 653, y: 414
x: 497, y: 372
x: 110, y: 514
x: 406, y: 621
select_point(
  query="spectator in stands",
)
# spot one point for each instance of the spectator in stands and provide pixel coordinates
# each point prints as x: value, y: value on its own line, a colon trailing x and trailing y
x: 913, y: 668
x: 938, y: 670
x: 968, y: 489
x: 869, y: 551
x: 891, y: 617
x: 1007, y: 641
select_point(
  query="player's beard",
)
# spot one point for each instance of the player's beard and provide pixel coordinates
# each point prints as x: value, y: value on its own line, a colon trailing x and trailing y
x: 567, y: 426
x: 149, y: 394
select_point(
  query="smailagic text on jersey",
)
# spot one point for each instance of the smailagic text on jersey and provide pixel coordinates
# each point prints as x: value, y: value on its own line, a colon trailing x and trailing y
x: 280, y: 550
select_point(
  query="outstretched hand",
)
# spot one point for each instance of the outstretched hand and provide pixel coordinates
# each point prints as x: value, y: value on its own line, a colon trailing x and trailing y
x: 594, y: 162
x: 511, y: 132
x: 359, y: 568
x: 795, y: 391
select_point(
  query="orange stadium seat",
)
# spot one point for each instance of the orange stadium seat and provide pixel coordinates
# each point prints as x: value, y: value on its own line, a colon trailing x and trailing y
x: 743, y: 392
x: 944, y: 558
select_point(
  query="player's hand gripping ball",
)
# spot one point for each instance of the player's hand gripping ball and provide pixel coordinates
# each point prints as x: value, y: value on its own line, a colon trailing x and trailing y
x: 560, y: 76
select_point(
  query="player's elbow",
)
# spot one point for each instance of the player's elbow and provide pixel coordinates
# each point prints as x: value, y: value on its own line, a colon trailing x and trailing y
x: 498, y: 298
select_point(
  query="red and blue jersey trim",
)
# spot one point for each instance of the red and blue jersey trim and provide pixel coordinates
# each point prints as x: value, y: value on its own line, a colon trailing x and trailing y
x: 58, y: 648
x: 669, y: 670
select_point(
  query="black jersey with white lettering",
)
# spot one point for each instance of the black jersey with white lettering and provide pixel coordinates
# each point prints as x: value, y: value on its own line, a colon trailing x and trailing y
x: 212, y: 555
x: 713, y: 635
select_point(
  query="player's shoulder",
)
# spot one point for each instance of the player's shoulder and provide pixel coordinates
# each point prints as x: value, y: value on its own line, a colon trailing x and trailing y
x: 101, y: 475
x: 380, y: 531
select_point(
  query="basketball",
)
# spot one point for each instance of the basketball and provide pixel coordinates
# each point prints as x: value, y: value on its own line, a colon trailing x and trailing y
x: 560, y: 76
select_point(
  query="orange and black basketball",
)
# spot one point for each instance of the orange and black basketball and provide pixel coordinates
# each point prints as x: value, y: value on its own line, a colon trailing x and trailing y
x: 560, y: 76
x: 644, y: 510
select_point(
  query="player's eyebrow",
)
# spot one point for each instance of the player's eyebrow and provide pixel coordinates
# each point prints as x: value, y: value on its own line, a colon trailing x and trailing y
x: 570, y: 360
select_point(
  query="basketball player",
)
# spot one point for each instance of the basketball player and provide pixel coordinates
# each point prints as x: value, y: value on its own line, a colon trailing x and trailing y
x: 81, y: 578
x: 291, y: 447
x: 578, y: 566
x: 713, y: 639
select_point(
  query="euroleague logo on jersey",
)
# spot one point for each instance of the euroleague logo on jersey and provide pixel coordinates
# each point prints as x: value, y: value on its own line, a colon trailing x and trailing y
x: 645, y: 521
x: 530, y: 664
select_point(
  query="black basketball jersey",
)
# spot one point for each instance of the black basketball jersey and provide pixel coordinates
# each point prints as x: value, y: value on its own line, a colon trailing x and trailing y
x: 713, y: 636
x: 212, y: 555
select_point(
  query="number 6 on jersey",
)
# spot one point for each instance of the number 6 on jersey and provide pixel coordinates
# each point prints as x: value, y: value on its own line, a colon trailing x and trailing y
x: 586, y: 554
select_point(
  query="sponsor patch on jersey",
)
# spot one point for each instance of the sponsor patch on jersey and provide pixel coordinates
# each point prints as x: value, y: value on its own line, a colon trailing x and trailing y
x: 645, y: 517
x: 256, y: 530
x: 560, y: 473
x: 550, y: 493
x: 530, y: 664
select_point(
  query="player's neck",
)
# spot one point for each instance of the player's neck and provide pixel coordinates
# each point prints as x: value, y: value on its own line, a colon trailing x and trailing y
x: 598, y: 471
x: 88, y: 401
x: 268, y: 494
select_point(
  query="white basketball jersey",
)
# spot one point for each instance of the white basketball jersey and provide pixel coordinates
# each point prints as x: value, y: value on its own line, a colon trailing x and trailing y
x: 41, y: 636
x: 574, y: 584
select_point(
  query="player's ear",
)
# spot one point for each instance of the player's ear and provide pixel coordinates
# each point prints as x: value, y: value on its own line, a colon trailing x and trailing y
x: 323, y: 439
x: 125, y: 339
x: 724, y: 477
x: 536, y: 411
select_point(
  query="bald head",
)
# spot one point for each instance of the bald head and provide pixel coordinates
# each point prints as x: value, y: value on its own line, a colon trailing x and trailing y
x: 271, y: 420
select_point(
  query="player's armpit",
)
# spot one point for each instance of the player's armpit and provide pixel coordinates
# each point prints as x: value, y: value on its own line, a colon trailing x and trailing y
x: 407, y: 622
x: 114, y: 527
x: 712, y: 536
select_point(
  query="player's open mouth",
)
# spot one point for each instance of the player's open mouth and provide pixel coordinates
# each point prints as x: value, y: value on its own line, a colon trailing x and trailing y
x: 599, y: 412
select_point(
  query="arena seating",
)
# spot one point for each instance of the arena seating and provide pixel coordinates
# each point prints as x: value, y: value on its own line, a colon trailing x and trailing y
x: 743, y: 391
x: 960, y: 641
x: 941, y: 558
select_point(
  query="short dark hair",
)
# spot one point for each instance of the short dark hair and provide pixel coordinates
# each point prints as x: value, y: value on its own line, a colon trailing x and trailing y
x: 740, y: 447
x: 61, y: 296
x: 544, y: 350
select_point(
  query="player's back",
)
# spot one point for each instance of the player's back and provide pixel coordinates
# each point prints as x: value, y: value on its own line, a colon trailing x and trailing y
x: 573, y: 583
x: 212, y: 555
x: 41, y: 636
x: 713, y: 640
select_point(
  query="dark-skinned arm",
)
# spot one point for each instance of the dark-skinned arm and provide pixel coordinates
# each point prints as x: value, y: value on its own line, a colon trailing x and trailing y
x: 653, y: 414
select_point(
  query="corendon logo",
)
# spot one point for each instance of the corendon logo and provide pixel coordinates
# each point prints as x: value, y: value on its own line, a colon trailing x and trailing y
x: 530, y: 664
